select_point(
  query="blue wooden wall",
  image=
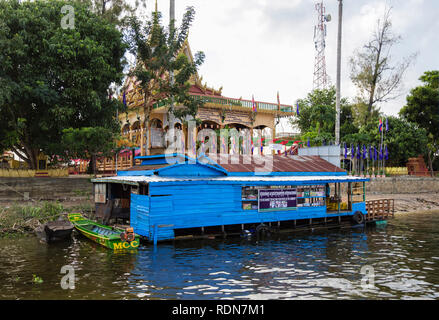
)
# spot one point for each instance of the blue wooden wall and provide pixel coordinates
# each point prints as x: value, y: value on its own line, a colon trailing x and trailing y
x: 139, y: 214
x: 176, y: 206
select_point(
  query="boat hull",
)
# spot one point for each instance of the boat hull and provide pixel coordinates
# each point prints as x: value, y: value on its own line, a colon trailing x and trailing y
x: 58, y: 230
x: 112, y: 241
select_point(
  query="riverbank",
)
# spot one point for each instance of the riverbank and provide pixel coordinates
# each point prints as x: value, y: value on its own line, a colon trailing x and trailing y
x: 23, y: 219
x: 405, y: 203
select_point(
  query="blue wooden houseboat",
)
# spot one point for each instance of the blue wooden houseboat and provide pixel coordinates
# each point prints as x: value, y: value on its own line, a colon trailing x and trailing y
x: 170, y: 197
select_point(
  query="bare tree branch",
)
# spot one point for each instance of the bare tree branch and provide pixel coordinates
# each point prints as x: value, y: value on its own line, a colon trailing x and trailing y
x: 372, y: 71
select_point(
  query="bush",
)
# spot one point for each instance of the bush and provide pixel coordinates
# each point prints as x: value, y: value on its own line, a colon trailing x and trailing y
x: 26, y: 218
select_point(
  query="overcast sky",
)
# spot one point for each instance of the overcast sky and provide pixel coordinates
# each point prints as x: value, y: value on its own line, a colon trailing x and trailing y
x: 259, y: 47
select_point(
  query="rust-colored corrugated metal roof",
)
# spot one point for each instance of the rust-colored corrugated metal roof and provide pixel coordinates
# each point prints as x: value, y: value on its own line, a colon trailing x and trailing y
x: 275, y: 163
x: 278, y: 163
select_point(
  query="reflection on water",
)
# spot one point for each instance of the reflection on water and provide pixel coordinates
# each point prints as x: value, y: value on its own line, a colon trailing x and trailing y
x: 324, y: 265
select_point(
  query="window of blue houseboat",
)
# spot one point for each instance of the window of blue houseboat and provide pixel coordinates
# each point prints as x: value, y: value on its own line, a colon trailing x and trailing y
x: 311, y: 196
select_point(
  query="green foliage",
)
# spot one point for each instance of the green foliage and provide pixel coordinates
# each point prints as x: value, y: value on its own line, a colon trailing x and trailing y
x: 20, y: 219
x: 317, y: 116
x: 317, y: 139
x: 86, y: 142
x: 431, y: 79
x: 54, y: 78
x: 317, y: 124
x: 404, y: 139
x: 363, y: 114
x: 114, y: 11
x: 423, y: 104
x: 422, y: 108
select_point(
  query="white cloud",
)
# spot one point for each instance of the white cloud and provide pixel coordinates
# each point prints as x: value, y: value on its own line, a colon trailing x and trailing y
x: 263, y: 46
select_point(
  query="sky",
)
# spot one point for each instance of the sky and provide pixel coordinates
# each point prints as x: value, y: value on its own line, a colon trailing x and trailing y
x: 260, y: 47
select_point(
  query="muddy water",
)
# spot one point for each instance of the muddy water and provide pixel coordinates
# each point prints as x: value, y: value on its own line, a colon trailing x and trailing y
x: 397, y: 261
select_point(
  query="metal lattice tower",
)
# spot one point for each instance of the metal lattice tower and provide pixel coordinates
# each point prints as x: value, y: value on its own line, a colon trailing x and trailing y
x: 321, y: 78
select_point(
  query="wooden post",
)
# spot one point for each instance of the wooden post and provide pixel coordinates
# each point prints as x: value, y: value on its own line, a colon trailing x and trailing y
x: 364, y: 190
x: 155, y: 237
x: 338, y: 196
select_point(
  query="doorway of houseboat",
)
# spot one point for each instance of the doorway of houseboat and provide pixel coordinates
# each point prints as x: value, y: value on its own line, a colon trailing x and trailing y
x: 113, y: 200
x: 340, y: 196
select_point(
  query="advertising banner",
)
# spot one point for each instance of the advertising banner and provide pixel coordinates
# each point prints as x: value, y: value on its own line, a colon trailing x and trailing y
x: 277, y: 199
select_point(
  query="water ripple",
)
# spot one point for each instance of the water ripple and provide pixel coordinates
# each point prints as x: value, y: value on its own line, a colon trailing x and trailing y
x: 326, y: 265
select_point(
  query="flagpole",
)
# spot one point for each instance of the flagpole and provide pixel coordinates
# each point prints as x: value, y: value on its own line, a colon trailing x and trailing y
x: 382, y: 141
x: 337, y: 101
x: 368, y: 156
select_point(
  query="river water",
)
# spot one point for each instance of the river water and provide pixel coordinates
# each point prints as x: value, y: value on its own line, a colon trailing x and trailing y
x: 396, y: 261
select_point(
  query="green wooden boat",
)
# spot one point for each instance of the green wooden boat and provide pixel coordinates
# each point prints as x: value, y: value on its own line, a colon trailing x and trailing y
x: 112, y: 238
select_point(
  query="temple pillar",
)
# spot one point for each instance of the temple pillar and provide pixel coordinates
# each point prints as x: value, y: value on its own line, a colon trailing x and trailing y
x: 142, y: 139
x: 148, y: 138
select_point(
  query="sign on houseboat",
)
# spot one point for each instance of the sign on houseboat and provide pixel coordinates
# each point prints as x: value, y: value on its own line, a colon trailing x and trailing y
x: 277, y: 199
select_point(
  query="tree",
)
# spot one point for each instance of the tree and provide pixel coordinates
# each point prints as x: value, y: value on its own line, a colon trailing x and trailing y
x: 53, y: 78
x: 372, y: 71
x: 404, y: 139
x: 115, y: 11
x: 89, y: 143
x: 317, y: 116
x: 159, y: 55
x: 362, y: 115
x: 422, y: 108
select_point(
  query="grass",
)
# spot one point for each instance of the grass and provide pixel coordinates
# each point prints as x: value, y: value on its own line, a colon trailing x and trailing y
x: 21, y: 219
x: 86, y: 208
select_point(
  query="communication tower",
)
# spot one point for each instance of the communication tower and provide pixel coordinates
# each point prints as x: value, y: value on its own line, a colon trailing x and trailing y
x: 321, y: 78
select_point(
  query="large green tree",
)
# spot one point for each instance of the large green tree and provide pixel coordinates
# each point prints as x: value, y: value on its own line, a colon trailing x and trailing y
x: 53, y: 77
x: 316, y: 119
x: 422, y: 108
x: 162, y: 69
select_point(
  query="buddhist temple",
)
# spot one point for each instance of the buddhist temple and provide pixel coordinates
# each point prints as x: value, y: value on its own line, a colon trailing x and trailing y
x: 218, y: 112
